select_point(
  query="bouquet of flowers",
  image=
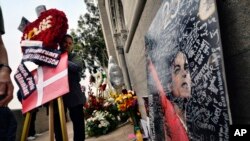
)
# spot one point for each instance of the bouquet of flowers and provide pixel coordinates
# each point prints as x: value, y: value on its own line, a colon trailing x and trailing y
x: 100, y: 123
x: 127, y: 102
x: 93, y: 103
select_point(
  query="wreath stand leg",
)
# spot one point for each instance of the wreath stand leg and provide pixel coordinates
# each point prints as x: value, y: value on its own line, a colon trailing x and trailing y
x: 26, y: 126
x: 62, y: 119
x: 51, y: 122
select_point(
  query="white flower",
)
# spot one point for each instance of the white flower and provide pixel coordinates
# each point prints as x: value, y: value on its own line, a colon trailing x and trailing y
x: 111, y: 100
x: 106, y: 104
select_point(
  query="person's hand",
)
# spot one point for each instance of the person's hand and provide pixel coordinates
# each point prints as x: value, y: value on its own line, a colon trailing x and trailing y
x: 6, y: 87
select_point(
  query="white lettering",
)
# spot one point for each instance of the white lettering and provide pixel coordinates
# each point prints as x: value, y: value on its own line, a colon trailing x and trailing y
x: 240, y: 132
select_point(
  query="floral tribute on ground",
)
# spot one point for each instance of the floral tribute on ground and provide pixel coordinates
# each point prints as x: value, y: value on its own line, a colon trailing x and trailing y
x: 127, y: 102
x: 101, y: 111
x: 109, y: 108
x: 105, y: 114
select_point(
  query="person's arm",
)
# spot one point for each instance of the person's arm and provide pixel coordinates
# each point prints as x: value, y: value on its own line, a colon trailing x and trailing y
x: 3, y: 52
x: 6, y: 86
x: 75, y: 64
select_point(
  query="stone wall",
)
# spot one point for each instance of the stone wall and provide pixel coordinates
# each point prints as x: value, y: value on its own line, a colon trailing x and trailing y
x: 136, y: 59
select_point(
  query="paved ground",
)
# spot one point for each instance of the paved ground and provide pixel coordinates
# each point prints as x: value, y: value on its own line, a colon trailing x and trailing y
x: 120, y: 134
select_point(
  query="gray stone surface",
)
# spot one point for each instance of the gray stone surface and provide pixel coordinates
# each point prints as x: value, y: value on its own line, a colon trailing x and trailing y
x: 120, y: 134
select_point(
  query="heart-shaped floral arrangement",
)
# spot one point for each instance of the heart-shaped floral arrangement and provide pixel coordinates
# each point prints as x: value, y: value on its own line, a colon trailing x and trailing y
x: 49, y: 28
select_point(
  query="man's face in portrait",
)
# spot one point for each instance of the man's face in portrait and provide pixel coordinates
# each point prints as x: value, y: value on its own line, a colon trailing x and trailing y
x: 181, y: 80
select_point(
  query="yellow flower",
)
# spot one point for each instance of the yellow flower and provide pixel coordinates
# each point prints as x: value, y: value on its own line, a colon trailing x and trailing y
x: 119, y: 99
x: 125, y: 96
x: 31, y: 33
x: 125, y: 101
x: 129, y: 95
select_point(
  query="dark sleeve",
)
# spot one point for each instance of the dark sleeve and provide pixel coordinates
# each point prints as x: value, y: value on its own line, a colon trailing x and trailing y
x: 75, y: 63
x: 73, y: 66
x: 2, y: 31
x: 19, y: 96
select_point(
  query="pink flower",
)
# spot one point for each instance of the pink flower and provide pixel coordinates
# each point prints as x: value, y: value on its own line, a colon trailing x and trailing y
x: 131, y: 136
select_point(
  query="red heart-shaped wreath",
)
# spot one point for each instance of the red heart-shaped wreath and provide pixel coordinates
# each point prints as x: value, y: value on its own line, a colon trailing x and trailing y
x: 49, y: 28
